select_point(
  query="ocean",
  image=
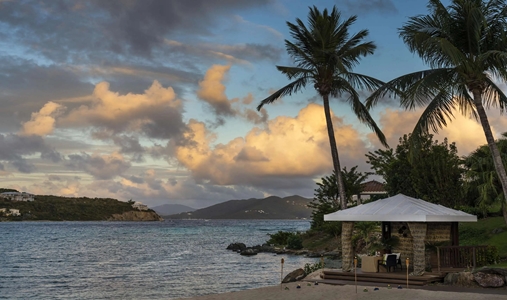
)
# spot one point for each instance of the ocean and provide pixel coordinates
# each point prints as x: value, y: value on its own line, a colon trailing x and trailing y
x: 138, y: 260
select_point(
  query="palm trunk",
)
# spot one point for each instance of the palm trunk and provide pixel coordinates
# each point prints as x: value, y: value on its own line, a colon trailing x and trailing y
x: 334, y: 154
x: 497, y: 160
x: 346, y: 237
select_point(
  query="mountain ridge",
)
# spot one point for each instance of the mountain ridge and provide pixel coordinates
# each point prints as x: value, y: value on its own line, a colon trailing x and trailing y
x: 272, y: 207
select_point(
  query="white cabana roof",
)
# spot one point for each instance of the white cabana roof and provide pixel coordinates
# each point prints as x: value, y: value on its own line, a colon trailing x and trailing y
x: 400, y: 208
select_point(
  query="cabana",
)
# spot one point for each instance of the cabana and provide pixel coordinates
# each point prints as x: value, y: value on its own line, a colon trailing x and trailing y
x: 415, y: 222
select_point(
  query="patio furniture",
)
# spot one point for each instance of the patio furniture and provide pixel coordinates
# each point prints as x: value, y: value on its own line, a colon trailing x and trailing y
x: 389, y: 262
x: 398, y: 260
x: 370, y: 263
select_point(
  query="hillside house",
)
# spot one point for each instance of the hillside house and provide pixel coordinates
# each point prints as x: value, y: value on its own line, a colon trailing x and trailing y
x: 140, y: 206
x: 17, y: 196
x: 10, y: 212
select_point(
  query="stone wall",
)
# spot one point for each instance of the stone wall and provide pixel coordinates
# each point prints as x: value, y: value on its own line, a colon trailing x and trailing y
x: 436, y: 234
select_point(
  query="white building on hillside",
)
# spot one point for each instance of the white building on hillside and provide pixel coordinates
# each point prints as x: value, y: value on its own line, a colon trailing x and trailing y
x: 140, y: 205
x: 10, y: 212
x: 17, y: 196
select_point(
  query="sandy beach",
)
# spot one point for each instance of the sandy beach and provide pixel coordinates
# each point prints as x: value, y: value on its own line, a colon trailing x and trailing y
x: 327, y: 291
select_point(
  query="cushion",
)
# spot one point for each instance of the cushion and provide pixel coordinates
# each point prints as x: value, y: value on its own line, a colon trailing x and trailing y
x: 397, y: 255
x: 384, y: 259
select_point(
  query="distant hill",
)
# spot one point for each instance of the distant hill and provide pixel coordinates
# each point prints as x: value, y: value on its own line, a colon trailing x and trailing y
x: 293, y: 207
x: 56, y: 208
x: 171, y: 209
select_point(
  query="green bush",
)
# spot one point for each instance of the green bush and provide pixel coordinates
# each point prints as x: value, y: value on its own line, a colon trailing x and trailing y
x: 489, y: 256
x: 480, y: 212
x: 295, y: 242
x: 310, y: 268
x: 280, y: 238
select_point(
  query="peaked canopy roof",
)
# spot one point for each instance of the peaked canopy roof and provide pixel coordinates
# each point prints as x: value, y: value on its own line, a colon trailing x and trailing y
x: 400, y: 208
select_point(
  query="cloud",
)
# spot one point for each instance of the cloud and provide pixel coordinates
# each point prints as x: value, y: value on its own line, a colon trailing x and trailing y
x: 467, y: 133
x: 281, y: 150
x: 212, y: 90
x: 99, y: 166
x: 42, y: 122
x: 128, y: 27
x: 14, y: 149
x: 157, y: 113
x: 367, y: 6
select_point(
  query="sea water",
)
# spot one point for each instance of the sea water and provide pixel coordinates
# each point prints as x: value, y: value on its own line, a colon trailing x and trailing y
x: 138, y: 260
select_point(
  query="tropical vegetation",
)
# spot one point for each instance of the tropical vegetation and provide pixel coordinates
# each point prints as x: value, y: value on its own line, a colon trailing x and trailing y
x: 465, y: 46
x: 434, y: 172
x: 55, y: 208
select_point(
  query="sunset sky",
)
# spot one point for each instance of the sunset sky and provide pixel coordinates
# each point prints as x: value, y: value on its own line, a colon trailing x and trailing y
x: 155, y: 100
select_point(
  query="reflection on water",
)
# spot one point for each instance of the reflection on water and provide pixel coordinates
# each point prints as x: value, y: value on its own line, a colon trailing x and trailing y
x: 127, y: 260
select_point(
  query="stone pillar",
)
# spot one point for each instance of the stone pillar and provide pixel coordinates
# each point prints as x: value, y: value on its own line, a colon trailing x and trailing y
x: 418, y: 231
x: 347, y: 250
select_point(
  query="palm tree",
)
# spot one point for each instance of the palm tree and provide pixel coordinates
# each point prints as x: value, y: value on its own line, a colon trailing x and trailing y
x: 324, y: 55
x: 465, y: 46
x: 481, y: 178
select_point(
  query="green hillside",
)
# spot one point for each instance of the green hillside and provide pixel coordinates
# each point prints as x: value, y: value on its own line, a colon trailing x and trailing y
x: 293, y: 207
x: 488, y: 231
x: 54, y: 208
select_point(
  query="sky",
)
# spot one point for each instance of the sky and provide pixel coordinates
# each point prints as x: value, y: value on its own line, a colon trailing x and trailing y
x: 155, y: 101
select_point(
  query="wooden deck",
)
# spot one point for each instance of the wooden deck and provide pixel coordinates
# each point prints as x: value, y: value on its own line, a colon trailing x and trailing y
x: 395, y: 278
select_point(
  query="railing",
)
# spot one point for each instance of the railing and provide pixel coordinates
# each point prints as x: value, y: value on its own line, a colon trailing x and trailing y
x: 461, y: 256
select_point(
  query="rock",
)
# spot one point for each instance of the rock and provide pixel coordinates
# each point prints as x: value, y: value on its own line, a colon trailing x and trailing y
x: 497, y: 230
x: 465, y: 279
x: 489, y: 280
x: 315, y: 254
x: 294, y: 276
x: 249, y: 252
x: 267, y: 248
x: 136, y: 216
x: 236, y: 247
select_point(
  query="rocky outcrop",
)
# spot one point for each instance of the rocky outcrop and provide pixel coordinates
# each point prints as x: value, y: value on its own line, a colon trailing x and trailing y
x: 485, y: 277
x: 295, y: 275
x: 489, y: 280
x: 491, y: 277
x: 237, y: 247
x: 464, y: 279
x: 136, y: 216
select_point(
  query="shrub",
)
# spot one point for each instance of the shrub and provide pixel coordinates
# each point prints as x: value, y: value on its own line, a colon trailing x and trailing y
x: 295, y: 242
x: 280, y: 238
x: 310, y: 268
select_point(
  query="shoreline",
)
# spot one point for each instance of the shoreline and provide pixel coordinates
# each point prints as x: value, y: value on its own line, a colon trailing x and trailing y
x: 309, y: 290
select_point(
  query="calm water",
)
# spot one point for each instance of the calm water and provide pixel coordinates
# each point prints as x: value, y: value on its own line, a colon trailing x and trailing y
x: 130, y: 260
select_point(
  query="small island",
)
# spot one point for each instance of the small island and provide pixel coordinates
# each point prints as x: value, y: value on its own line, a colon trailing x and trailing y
x: 22, y: 206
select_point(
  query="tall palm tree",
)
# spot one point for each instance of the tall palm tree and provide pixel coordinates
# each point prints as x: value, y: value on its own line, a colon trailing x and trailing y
x: 465, y: 46
x: 324, y: 55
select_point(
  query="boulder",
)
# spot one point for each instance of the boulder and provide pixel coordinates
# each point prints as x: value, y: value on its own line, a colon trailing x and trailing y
x: 267, y: 248
x: 465, y: 279
x: 236, y: 247
x: 489, y: 280
x: 294, y: 276
x: 249, y: 252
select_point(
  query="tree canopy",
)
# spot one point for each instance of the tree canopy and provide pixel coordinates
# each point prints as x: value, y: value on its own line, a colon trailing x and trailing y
x: 433, y: 172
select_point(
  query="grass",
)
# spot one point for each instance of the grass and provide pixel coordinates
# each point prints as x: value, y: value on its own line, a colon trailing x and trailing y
x: 489, y: 231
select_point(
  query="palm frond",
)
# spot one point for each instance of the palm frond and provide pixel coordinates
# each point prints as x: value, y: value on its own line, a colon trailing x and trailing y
x: 435, y: 115
x: 359, y: 109
x: 294, y: 72
x: 494, y: 96
x: 362, y: 82
x: 414, y: 89
x: 286, y: 90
